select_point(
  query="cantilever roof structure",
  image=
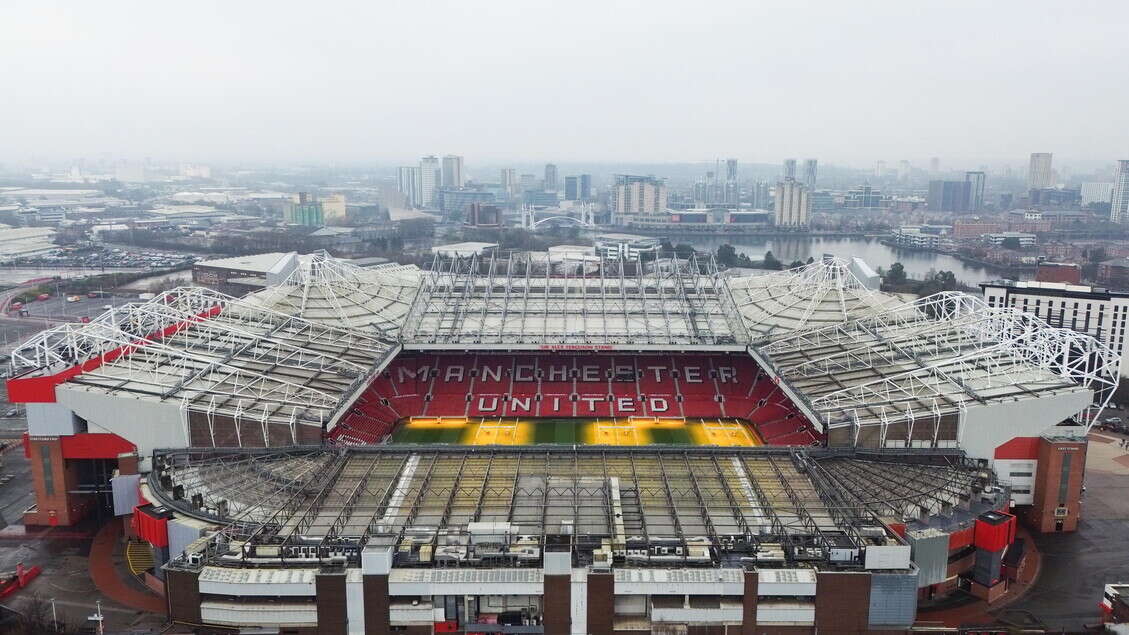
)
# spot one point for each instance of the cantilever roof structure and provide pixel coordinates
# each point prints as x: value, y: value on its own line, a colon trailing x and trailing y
x: 433, y: 494
x: 815, y: 295
x: 326, y: 290
x: 212, y: 353
x: 300, y: 351
x: 520, y: 302
x: 927, y: 360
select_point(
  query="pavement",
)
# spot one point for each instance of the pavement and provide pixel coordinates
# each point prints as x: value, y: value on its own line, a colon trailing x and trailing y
x: 65, y: 553
x: 1076, y: 566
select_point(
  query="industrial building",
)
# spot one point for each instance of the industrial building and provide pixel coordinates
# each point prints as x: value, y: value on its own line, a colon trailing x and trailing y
x: 505, y: 443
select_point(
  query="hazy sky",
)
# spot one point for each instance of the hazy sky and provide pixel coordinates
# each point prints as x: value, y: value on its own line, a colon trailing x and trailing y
x: 848, y: 82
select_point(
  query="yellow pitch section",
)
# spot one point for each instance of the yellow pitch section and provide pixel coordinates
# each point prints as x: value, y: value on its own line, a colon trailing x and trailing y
x: 724, y: 433
x: 628, y: 431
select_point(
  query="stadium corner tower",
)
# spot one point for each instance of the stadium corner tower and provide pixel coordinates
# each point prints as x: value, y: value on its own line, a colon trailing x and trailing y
x: 530, y: 445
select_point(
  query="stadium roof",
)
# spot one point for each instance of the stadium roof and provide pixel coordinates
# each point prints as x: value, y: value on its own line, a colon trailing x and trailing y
x: 525, y: 302
x: 327, y: 290
x: 212, y: 353
x: 300, y: 351
x: 643, y: 495
x: 815, y: 295
x: 931, y: 358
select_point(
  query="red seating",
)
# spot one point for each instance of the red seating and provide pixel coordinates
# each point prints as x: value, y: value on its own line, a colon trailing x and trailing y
x: 574, y: 385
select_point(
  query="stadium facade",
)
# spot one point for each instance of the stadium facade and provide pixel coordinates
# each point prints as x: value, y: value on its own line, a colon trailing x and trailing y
x: 528, y: 445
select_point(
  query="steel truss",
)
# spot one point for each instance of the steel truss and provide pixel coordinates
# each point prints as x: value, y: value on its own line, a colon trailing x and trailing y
x: 823, y: 292
x: 214, y: 353
x: 327, y: 290
x: 931, y: 358
x: 817, y: 498
x: 523, y: 300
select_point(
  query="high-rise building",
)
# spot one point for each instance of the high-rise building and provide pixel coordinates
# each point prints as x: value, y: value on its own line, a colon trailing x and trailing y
x: 879, y: 168
x: 731, y: 170
x: 637, y: 195
x: 585, y: 187
x: 509, y: 180
x: 789, y: 169
x: 1119, y: 210
x: 935, y: 165
x: 793, y: 205
x: 949, y: 196
x: 453, y: 171
x: 1039, y: 173
x: 430, y: 176
x: 811, y: 169
x: 760, y: 196
x: 975, y: 181
x: 527, y: 182
x: 572, y: 188
x: 550, y: 177
x: 408, y: 182
x: 333, y: 206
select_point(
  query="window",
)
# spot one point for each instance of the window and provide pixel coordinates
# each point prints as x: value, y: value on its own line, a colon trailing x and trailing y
x: 1064, y: 478
x: 1020, y: 491
x: 1020, y: 474
x: 48, y: 473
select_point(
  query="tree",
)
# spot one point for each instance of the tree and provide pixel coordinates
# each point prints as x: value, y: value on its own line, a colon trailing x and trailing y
x: 770, y: 261
x: 947, y: 280
x: 726, y: 255
x: 796, y: 264
x: 1011, y: 242
x: 811, y: 259
x: 897, y: 274
x: 683, y: 251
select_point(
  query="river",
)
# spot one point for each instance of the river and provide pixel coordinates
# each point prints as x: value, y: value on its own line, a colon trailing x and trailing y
x: 918, y: 264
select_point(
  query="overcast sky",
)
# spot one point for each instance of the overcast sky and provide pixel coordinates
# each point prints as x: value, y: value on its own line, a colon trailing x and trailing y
x: 848, y: 82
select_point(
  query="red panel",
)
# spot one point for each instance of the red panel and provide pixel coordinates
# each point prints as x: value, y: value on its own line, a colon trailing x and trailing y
x: 961, y: 539
x: 1019, y: 448
x: 994, y: 536
x: 151, y: 527
x: 95, y: 445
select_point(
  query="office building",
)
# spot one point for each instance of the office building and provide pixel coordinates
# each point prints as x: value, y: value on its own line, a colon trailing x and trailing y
x: 760, y: 195
x: 1095, y: 311
x: 1039, y: 172
x: 572, y: 188
x: 879, y: 168
x: 731, y: 169
x: 1119, y: 210
x: 550, y: 177
x: 527, y: 182
x: 508, y: 180
x: 949, y: 196
x: 626, y: 246
x: 789, y: 169
x: 810, y: 171
x: 429, y: 177
x: 585, y: 187
x: 793, y: 205
x: 935, y: 165
x: 453, y: 201
x: 637, y: 195
x: 1096, y: 193
x: 975, y: 182
x: 453, y: 171
x: 862, y: 197
x: 408, y: 182
x: 305, y: 211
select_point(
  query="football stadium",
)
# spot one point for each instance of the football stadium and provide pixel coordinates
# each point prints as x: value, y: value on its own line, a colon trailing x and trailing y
x: 521, y: 444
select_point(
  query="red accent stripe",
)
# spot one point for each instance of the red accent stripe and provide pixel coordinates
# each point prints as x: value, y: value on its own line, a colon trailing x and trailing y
x: 1019, y: 448
x: 95, y: 445
x: 41, y: 389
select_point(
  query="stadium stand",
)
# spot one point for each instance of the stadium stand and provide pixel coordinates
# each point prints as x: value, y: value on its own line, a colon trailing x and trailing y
x: 558, y: 385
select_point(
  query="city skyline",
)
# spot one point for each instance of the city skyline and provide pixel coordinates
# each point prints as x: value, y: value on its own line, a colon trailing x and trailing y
x: 246, y: 94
